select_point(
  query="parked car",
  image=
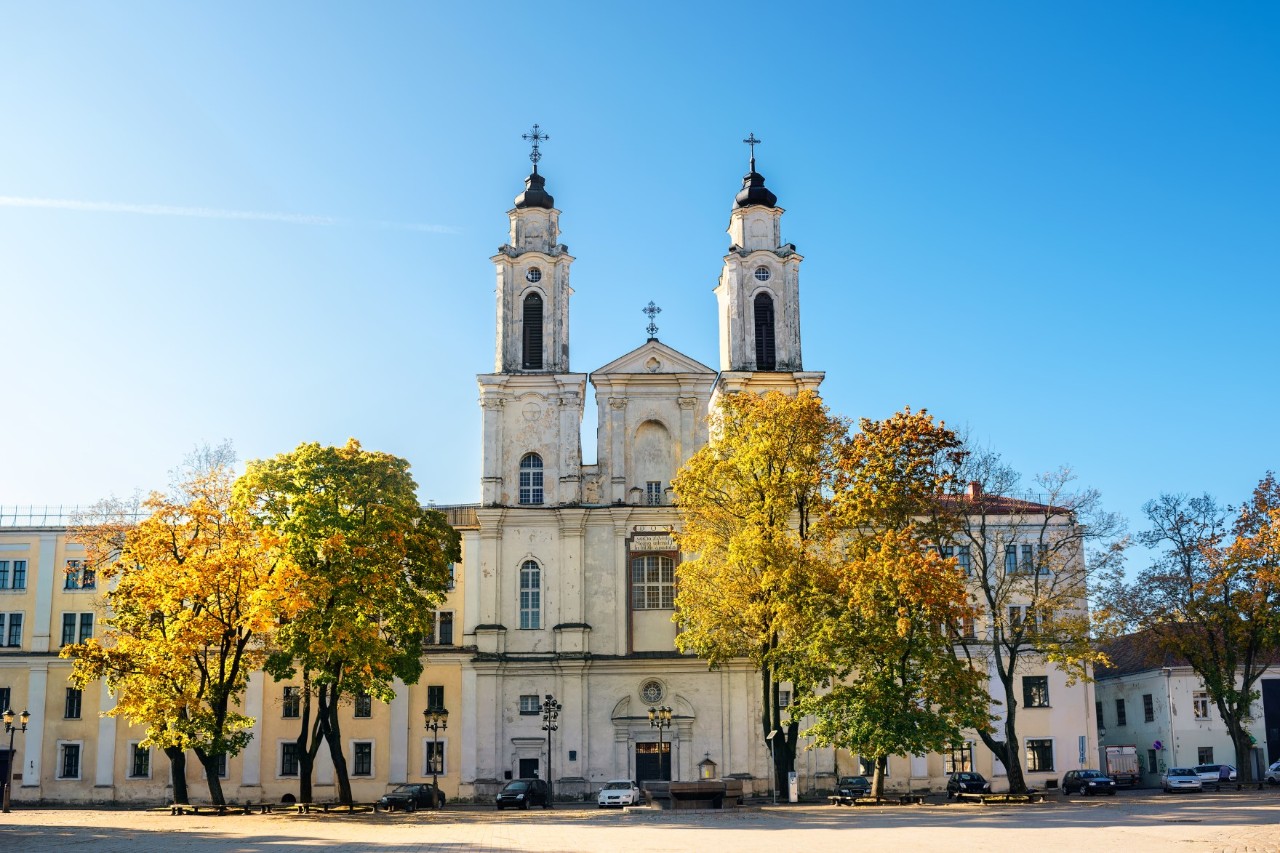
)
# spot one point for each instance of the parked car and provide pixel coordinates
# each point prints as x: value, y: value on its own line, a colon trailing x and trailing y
x: 1273, y: 774
x: 1087, y: 782
x: 522, y: 793
x: 619, y: 792
x: 1180, y: 779
x: 964, y: 782
x: 409, y: 797
x: 853, y: 786
x: 1211, y: 774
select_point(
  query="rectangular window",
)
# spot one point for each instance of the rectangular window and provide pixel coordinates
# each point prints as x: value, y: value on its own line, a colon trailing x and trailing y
x: 68, y: 628
x: 452, y: 578
x: 1148, y: 708
x: 86, y: 626
x: 19, y: 574
x: 1097, y: 708
x: 1200, y: 707
x: 364, y: 705
x: 1204, y: 755
x: 1152, y: 765
x: 291, y: 706
x: 220, y: 763
x: 653, y: 493
x: 289, y: 759
x: 69, y: 765
x: 960, y: 758
x: 1010, y: 559
x: 653, y: 583
x: 1120, y: 717
x: 435, y: 752
x: 5, y: 699
x: 784, y: 698
x: 12, y: 631
x: 529, y: 704
x: 140, y: 762
x: 1016, y: 613
x: 969, y: 627
x: 1043, y: 565
x: 1039, y: 755
x: 70, y: 621
x: 444, y: 627
x: 1028, y: 559
x: 962, y: 560
x: 4, y: 574
x: 435, y: 696
x: 1035, y: 691
x: 79, y: 576
x: 362, y: 758
x: 72, y: 708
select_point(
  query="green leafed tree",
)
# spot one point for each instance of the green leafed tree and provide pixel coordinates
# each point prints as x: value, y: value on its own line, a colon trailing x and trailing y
x: 374, y: 566
x: 751, y: 503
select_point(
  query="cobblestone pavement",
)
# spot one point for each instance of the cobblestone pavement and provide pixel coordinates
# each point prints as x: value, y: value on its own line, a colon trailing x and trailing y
x: 1138, y: 822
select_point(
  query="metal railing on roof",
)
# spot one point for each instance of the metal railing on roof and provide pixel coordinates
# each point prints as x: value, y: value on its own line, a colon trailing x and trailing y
x: 48, y: 516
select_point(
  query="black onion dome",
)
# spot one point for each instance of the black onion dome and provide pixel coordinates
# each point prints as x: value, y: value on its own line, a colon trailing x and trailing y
x: 535, y: 193
x: 755, y: 192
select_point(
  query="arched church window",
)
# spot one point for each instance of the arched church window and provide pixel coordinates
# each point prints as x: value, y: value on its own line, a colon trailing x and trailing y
x: 766, y: 355
x: 532, y: 332
x: 531, y: 479
x: 530, y: 595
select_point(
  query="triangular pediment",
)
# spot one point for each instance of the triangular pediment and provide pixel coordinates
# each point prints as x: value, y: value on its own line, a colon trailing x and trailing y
x: 653, y: 357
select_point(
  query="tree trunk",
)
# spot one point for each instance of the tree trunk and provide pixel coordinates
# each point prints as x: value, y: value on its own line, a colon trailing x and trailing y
x: 333, y: 735
x: 1243, y: 749
x: 178, y: 774
x: 782, y: 747
x: 210, y: 764
x: 881, y: 764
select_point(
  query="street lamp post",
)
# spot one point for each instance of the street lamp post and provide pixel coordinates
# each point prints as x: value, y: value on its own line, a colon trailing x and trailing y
x: 10, y: 729
x: 435, y: 719
x: 660, y: 718
x: 550, y: 713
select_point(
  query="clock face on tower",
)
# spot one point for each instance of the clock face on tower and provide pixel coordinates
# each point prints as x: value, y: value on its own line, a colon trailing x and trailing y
x: 533, y: 274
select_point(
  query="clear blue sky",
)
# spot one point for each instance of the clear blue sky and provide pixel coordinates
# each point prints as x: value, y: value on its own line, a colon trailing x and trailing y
x: 1053, y: 224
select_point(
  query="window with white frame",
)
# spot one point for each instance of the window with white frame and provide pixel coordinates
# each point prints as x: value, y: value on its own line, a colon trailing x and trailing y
x: 440, y: 631
x: 11, y: 629
x: 78, y: 575
x: 362, y: 758
x: 530, y: 595
x: 1010, y: 559
x: 784, y: 698
x: 453, y: 579
x: 531, y: 479
x: 73, y: 621
x: 653, y: 582
x: 1039, y: 755
x: 13, y: 574
x: 1200, y: 705
x: 963, y: 560
x: 139, y: 761
x: 529, y: 704
x: 653, y: 493
x: 69, y: 759
x: 433, y: 757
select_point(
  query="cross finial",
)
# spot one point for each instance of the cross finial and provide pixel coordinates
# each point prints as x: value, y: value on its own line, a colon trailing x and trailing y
x: 652, y: 311
x: 535, y: 137
x: 753, y: 142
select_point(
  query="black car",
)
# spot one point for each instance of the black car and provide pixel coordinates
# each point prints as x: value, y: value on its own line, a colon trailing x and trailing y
x: 853, y: 786
x: 409, y: 797
x: 1087, y: 782
x: 966, y: 782
x: 522, y: 793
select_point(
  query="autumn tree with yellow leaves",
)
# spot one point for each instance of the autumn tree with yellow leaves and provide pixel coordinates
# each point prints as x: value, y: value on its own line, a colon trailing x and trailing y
x: 194, y: 594
x: 873, y: 629
x: 374, y: 566
x: 752, y: 503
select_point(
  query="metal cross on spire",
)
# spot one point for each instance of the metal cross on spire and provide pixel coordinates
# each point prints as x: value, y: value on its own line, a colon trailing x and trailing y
x: 753, y: 142
x: 535, y: 137
x: 652, y: 311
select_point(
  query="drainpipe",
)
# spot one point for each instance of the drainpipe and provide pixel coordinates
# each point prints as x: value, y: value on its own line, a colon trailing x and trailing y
x: 1173, y: 736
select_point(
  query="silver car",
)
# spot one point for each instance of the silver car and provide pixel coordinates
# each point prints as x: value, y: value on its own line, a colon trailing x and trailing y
x: 1273, y: 774
x: 1180, y: 779
x: 619, y: 792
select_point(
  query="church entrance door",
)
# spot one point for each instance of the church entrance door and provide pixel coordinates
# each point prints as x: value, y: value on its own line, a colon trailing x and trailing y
x: 528, y: 768
x: 652, y: 765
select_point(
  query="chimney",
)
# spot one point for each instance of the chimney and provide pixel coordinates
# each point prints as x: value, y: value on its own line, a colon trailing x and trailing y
x: 974, y: 489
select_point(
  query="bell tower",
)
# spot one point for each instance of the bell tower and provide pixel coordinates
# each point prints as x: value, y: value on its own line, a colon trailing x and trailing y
x: 759, y: 296
x: 532, y: 403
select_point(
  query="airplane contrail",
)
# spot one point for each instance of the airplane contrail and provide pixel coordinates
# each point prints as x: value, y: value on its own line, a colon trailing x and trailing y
x: 215, y: 213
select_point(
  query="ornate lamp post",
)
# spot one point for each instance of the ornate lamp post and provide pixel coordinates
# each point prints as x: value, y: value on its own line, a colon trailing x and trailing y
x: 10, y: 728
x: 435, y: 719
x: 550, y: 713
x: 660, y: 718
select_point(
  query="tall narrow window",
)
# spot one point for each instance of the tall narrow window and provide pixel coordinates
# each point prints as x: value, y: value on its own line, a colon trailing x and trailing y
x: 435, y: 696
x: 72, y: 708
x: 766, y: 354
x: 19, y: 574
x: 15, y: 629
x: 364, y: 705
x: 1148, y: 708
x: 531, y: 479
x: 1120, y: 715
x: 530, y: 595
x: 1010, y: 559
x: 532, y: 356
x: 292, y: 704
x: 653, y: 493
x: 289, y: 758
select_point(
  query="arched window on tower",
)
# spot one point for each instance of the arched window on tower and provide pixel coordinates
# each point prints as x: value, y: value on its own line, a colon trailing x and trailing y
x: 766, y: 355
x: 531, y: 479
x: 532, y: 358
x: 530, y: 595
